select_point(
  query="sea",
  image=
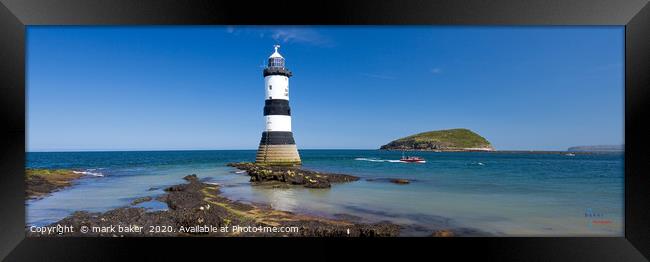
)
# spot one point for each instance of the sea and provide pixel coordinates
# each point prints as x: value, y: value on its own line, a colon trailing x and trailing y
x: 494, y: 193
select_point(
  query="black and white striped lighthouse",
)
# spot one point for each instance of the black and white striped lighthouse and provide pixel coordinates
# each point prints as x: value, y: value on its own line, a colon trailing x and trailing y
x: 277, y: 146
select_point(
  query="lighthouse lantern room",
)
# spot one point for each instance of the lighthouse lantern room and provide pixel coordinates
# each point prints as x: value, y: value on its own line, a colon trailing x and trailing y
x: 277, y: 146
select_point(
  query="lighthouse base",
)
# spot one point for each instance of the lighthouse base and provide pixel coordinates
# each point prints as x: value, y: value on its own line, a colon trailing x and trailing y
x: 280, y: 155
x: 277, y: 148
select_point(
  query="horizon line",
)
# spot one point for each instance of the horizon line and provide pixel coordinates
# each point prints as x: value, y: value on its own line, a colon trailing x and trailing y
x: 253, y: 149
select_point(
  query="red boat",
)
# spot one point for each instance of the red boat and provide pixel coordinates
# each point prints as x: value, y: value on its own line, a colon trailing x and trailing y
x: 411, y: 159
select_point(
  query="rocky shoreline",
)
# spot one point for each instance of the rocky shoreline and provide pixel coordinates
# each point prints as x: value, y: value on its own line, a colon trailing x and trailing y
x: 197, y: 209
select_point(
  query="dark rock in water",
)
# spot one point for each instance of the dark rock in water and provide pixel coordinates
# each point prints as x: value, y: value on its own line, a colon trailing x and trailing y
x: 391, y: 180
x: 141, y: 200
x: 291, y: 175
x: 174, y: 188
x: 191, y: 177
x: 318, y: 184
x: 153, y: 188
x: 399, y: 181
x: 184, y: 195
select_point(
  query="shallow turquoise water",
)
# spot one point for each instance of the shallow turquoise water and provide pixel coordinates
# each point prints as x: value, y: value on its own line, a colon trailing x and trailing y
x: 514, y: 194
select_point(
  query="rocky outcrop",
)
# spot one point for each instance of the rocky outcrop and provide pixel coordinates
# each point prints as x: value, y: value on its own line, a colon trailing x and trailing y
x: 42, y: 182
x: 400, y: 181
x: 141, y: 200
x: 291, y: 175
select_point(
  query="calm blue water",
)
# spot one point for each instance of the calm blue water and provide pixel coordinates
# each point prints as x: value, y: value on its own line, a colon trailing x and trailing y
x: 513, y: 194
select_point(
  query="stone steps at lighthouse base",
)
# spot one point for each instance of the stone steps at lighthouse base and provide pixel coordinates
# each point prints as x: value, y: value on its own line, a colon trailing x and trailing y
x: 277, y: 155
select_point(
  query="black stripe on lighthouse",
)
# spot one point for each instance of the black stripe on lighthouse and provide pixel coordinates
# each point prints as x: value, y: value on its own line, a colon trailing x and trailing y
x: 276, y: 71
x: 277, y: 107
x: 277, y: 138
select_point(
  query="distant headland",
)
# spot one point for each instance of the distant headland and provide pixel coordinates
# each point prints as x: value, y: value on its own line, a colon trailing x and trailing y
x: 597, y: 148
x: 449, y: 140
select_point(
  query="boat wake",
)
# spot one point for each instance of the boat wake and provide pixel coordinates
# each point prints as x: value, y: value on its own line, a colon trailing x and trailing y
x: 89, y: 173
x: 378, y: 160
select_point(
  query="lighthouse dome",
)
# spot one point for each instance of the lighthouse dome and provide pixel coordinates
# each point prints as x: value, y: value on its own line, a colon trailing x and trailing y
x: 276, y: 65
x: 276, y: 60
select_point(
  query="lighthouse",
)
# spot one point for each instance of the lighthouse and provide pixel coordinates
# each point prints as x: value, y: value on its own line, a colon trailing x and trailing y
x: 277, y: 146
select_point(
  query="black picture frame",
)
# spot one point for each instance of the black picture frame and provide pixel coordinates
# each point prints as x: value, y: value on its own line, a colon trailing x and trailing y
x: 15, y: 15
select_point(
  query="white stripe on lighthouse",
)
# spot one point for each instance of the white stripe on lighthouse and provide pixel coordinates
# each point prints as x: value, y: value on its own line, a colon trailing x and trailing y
x: 278, y: 123
x: 277, y: 87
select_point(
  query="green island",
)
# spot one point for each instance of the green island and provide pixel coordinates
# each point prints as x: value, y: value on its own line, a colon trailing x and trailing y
x: 450, y: 140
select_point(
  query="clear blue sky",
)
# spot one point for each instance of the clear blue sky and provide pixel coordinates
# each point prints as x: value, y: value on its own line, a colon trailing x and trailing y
x: 158, y: 88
